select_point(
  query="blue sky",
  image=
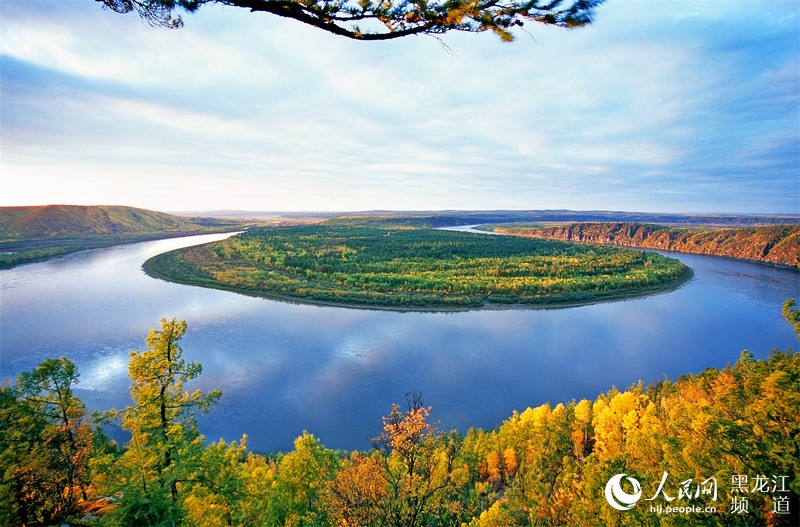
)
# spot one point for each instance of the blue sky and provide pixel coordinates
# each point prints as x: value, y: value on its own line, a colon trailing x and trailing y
x: 660, y: 106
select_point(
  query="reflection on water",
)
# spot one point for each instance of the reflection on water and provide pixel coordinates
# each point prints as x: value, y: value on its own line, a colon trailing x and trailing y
x: 334, y: 372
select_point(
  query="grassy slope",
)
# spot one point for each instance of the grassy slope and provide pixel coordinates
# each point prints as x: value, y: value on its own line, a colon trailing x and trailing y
x: 72, y: 221
x: 35, y: 233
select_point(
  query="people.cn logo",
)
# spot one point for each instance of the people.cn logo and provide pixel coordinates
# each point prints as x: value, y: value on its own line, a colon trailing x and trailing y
x: 618, y: 498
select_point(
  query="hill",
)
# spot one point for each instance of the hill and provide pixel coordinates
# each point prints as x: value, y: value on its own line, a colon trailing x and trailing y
x: 39, y: 232
x: 74, y: 221
x: 775, y: 244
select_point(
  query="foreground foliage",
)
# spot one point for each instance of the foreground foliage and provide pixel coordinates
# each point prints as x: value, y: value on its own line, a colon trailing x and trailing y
x: 398, y: 263
x: 45, y: 445
x: 545, y: 466
x: 166, y: 449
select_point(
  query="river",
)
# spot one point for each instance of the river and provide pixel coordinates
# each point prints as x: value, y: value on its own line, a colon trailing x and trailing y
x: 288, y: 367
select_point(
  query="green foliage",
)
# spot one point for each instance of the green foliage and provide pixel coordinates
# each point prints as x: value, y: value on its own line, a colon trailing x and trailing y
x: 165, y: 447
x: 230, y: 487
x: 45, y: 444
x: 302, y: 480
x: 10, y: 259
x: 396, y: 263
x: 792, y: 316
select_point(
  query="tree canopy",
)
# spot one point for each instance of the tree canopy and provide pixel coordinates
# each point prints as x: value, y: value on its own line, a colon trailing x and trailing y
x: 385, y: 19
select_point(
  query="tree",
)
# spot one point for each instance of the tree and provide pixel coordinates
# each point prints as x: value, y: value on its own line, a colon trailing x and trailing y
x: 792, y: 316
x: 45, y: 443
x: 232, y: 487
x: 303, y: 476
x: 537, y: 473
x: 407, y: 480
x: 166, y: 447
x: 416, y: 462
x: 385, y: 19
x: 359, y: 493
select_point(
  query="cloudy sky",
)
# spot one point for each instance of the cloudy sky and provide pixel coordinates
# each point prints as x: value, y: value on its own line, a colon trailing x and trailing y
x: 662, y: 106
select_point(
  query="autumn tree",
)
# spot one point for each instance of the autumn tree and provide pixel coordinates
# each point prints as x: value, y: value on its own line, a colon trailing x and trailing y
x: 385, y: 19
x: 231, y: 487
x: 45, y: 444
x: 406, y: 481
x: 303, y: 477
x: 164, y: 452
x: 359, y: 492
x: 416, y: 463
x: 537, y: 445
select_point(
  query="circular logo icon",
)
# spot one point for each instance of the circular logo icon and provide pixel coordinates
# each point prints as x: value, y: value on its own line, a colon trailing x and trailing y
x: 618, y: 498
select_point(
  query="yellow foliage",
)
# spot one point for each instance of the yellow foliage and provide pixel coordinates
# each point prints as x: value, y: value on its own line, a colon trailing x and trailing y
x: 496, y: 516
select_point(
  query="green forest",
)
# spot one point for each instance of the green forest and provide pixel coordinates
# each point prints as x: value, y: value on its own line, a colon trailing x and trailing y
x: 721, y: 447
x: 403, y: 263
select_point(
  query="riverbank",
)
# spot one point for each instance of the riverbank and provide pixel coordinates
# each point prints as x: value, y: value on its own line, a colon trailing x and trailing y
x: 13, y: 254
x: 417, y: 269
x: 553, y: 303
x: 777, y: 245
x: 38, y: 233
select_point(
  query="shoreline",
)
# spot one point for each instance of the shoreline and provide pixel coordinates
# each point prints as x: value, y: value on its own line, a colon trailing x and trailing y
x: 56, y: 250
x: 612, y: 296
x: 642, y: 247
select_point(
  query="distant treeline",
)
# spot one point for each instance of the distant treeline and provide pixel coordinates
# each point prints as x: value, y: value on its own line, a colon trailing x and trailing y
x: 401, y: 263
x: 468, y: 217
x: 775, y: 244
x: 722, y: 444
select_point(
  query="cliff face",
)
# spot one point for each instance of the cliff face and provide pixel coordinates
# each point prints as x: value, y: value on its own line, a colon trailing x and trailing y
x: 777, y: 244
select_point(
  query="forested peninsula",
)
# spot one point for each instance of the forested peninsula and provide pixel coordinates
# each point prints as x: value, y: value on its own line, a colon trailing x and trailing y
x: 774, y: 244
x: 722, y: 444
x: 30, y: 234
x: 403, y: 263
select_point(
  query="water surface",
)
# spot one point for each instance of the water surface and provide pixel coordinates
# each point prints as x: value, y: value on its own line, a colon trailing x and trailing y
x: 285, y: 368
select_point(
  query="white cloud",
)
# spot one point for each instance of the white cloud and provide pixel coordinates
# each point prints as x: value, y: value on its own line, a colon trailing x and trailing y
x: 268, y: 113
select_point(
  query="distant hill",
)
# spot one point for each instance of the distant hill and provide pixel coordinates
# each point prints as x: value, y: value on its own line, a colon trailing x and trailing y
x: 466, y: 217
x: 49, y: 222
x: 36, y: 233
x: 442, y: 218
x: 776, y: 244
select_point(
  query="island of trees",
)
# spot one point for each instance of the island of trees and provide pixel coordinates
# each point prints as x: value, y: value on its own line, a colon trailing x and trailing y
x: 403, y: 263
x: 724, y: 442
